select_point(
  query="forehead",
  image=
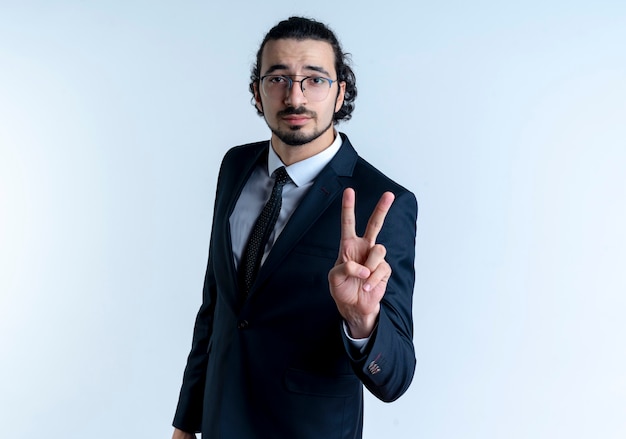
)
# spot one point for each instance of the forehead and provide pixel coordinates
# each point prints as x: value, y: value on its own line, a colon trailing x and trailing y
x: 297, y: 55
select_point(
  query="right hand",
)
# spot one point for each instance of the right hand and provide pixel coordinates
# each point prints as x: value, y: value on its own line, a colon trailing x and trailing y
x: 179, y: 434
x: 358, y: 280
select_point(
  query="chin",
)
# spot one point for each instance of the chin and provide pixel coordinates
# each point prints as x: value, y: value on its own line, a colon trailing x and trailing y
x: 294, y: 136
x: 295, y: 139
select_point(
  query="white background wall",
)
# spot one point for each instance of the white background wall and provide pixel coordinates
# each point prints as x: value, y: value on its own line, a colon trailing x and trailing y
x: 507, y: 119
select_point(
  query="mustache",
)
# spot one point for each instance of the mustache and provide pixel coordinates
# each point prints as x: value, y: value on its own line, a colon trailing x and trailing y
x: 289, y: 111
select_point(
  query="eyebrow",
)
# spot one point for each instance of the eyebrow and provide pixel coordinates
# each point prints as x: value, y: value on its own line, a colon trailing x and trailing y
x: 275, y: 67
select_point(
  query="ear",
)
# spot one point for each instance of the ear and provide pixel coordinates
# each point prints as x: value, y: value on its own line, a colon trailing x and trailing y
x: 257, y: 97
x: 340, y: 95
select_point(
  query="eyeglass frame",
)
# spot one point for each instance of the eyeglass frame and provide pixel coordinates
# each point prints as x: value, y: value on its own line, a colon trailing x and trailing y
x: 301, y: 82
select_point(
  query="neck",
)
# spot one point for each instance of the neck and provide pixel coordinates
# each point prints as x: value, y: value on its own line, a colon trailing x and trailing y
x: 292, y: 154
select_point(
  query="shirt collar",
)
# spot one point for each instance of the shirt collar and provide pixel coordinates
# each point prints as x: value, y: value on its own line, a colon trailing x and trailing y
x: 304, y: 171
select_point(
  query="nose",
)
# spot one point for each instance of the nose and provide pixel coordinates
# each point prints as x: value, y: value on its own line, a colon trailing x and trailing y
x: 295, y: 96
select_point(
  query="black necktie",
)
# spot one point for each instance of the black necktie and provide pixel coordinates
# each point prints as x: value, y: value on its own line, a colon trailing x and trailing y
x: 253, y: 253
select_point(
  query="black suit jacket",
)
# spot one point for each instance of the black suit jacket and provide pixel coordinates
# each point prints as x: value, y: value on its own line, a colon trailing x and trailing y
x: 280, y: 366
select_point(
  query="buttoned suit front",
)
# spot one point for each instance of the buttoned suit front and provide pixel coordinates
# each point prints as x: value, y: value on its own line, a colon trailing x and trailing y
x: 280, y: 365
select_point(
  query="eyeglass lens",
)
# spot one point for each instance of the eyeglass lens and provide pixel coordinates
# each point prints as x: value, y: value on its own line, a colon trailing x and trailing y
x: 313, y: 87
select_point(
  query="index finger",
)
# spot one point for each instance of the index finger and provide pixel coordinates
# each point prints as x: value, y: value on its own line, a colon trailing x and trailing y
x: 375, y: 223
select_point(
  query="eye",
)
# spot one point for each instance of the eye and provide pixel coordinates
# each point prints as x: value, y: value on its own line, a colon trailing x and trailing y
x: 316, y: 81
x: 277, y: 80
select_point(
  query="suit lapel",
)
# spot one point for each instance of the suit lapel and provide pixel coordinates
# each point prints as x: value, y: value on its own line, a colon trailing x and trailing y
x: 233, y: 181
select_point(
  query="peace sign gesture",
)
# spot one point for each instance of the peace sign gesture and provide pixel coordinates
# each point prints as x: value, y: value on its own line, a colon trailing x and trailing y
x: 358, y: 280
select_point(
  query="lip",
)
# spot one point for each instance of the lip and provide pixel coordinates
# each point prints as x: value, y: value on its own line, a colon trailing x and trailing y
x: 296, y: 119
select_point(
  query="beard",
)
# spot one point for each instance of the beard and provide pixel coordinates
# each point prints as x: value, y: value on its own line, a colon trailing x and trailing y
x: 294, y: 136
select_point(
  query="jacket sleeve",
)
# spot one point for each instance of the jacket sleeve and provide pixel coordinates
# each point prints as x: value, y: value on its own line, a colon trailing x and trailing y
x: 387, y: 365
x: 188, y: 415
x: 189, y: 410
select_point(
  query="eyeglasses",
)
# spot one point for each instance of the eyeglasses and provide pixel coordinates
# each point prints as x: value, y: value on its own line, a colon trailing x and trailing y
x: 314, y: 88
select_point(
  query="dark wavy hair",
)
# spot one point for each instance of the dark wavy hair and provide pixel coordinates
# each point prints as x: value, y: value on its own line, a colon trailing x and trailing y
x: 300, y: 28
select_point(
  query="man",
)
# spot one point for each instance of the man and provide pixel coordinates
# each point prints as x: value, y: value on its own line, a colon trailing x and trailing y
x: 299, y: 314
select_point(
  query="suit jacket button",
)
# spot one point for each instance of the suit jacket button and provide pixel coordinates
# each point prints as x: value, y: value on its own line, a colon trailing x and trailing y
x: 243, y: 324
